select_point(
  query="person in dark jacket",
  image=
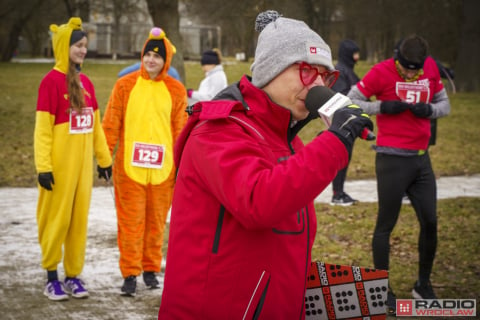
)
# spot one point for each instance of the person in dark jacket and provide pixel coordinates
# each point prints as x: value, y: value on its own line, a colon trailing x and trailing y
x: 348, y: 55
x: 243, y: 222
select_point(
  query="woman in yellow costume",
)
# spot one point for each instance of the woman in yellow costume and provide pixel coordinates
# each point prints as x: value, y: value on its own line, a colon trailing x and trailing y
x: 68, y: 134
x: 144, y: 117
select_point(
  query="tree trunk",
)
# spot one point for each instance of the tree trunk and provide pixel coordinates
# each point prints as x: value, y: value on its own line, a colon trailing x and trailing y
x: 14, y: 24
x: 467, y: 68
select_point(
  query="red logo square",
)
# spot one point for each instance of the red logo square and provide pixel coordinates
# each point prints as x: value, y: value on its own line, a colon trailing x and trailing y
x: 404, y: 307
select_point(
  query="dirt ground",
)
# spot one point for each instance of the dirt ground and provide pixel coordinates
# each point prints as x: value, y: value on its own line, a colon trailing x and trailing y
x: 22, y: 278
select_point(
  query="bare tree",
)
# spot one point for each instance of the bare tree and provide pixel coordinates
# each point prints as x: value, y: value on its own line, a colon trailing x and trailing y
x: 237, y: 19
x: 35, y: 32
x: 13, y: 16
x: 450, y: 26
x: 122, y: 11
x: 30, y: 20
x: 70, y: 6
x: 468, y: 64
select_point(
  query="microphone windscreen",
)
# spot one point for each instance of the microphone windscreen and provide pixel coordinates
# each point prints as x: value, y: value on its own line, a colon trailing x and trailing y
x: 317, y: 97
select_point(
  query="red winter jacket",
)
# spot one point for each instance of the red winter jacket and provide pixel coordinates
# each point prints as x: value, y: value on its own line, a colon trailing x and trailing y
x: 243, y: 221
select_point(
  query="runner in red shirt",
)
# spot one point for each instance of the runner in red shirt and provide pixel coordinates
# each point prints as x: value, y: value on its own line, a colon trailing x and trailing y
x: 409, y: 93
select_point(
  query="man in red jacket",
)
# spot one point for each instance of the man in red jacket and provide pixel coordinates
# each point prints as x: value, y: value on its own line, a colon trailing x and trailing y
x: 243, y: 221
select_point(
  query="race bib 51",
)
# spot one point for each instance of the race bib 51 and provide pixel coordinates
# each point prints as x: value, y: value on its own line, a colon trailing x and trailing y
x: 412, y: 92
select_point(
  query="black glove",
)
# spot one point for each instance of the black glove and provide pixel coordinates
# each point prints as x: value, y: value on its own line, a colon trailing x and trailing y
x: 45, y: 179
x: 421, y: 109
x: 348, y: 123
x: 105, y: 173
x: 393, y: 107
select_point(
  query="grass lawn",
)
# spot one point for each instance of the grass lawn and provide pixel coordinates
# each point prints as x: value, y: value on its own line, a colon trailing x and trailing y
x: 457, y: 152
x: 344, y: 237
x: 344, y: 234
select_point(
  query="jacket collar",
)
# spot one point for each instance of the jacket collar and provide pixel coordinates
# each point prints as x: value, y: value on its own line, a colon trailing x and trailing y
x: 256, y: 102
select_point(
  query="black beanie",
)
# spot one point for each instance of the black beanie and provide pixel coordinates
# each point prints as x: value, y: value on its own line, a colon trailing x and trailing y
x: 412, y: 52
x: 157, y: 46
x: 76, y: 36
x: 210, y: 57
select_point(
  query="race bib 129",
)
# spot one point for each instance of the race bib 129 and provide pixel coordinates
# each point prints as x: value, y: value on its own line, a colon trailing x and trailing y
x: 148, y: 155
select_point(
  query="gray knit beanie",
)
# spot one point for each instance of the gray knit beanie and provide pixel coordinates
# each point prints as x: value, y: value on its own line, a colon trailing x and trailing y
x: 283, y: 42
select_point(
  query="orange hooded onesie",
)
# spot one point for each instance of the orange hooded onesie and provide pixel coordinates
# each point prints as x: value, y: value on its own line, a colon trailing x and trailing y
x: 143, y: 120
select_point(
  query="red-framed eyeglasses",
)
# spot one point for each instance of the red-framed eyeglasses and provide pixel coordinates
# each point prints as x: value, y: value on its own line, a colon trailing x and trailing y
x: 308, y: 74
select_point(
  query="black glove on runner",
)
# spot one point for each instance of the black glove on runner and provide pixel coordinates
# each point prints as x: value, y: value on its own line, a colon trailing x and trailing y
x: 105, y: 173
x: 45, y: 179
x: 421, y: 109
x: 348, y: 123
x: 393, y: 107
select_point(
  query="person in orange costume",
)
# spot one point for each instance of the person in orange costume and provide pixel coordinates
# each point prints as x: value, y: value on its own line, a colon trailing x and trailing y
x: 144, y: 117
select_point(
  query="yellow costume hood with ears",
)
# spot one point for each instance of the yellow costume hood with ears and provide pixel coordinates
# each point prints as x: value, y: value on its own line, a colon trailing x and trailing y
x: 61, y: 42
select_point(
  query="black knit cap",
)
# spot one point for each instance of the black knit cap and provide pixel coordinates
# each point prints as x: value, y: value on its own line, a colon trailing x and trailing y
x: 157, y: 46
x: 210, y: 57
x: 76, y: 36
x: 412, y: 52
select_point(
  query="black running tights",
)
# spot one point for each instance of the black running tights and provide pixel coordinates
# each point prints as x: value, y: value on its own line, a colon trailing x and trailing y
x: 339, y: 180
x: 397, y: 175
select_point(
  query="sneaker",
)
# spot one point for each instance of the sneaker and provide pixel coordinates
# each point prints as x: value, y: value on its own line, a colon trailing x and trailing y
x: 54, y: 291
x: 342, y: 199
x: 423, y: 292
x: 75, y: 287
x: 150, y: 280
x: 129, y: 287
x: 391, y: 303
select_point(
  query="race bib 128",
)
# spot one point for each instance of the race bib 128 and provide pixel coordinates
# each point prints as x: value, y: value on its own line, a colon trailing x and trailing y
x: 81, y: 122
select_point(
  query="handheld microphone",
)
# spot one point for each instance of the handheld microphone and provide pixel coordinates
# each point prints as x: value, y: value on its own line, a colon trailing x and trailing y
x: 323, y: 102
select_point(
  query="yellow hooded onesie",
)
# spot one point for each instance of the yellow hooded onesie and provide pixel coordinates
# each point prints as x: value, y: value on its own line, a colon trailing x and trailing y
x: 65, y: 143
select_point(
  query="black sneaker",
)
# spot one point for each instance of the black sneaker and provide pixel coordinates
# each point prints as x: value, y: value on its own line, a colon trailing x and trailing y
x: 423, y: 292
x: 391, y: 303
x: 342, y: 199
x: 150, y: 280
x: 129, y: 287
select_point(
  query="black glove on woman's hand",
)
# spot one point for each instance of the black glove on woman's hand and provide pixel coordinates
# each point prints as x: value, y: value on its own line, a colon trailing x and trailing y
x: 348, y: 124
x: 105, y: 173
x: 393, y: 107
x: 45, y: 179
x: 421, y: 109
